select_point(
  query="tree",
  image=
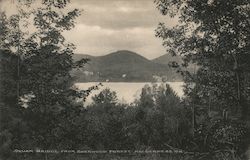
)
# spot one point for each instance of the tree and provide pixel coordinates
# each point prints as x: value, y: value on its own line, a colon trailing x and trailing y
x: 8, y: 81
x: 158, y: 120
x: 214, y: 35
x: 43, y: 74
x: 106, y: 97
x: 105, y: 117
x: 9, y: 110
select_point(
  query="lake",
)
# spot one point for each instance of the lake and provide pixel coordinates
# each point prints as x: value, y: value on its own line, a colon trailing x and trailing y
x: 126, y: 92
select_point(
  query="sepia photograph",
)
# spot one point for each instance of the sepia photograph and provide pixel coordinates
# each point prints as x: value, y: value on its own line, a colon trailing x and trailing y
x: 124, y: 80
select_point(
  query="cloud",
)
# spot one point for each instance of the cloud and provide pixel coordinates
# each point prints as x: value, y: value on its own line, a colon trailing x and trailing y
x: 119, y: 14
x: 96, y: 40
x: 109, y: 25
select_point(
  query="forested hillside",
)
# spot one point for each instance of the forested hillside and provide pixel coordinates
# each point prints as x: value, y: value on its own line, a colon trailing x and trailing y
x: 123, y: 66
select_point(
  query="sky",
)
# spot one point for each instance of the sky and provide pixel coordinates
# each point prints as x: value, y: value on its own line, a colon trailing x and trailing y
x: 107, y: 26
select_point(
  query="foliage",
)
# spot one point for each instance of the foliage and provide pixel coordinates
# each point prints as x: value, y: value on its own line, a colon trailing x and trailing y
x: 105, y: 117
x: 160, y: 120
x: 220, y: 135
x: 8, y: 72
x: 214, y: 35
x: 105, y: 97
x: 10, y: 113
x: 50, y: 114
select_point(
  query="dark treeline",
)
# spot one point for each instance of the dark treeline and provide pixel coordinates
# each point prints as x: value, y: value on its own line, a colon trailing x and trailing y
x: 40, y: 109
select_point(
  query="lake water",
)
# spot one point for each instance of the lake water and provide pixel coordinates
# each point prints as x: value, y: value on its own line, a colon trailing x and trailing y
x: 126, y: 92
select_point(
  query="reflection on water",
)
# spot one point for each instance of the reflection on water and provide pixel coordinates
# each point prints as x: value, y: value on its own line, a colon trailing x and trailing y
x: 126, y: 92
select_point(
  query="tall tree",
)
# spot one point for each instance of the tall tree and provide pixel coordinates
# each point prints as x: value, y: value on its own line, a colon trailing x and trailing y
x: 10, y: 113
x: 215, y: 35
x: 44, y: 65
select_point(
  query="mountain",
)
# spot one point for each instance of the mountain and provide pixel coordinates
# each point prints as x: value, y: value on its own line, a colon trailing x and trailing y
x: 77, y: 57
x: 122, y: 66
x: 166, y: 59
